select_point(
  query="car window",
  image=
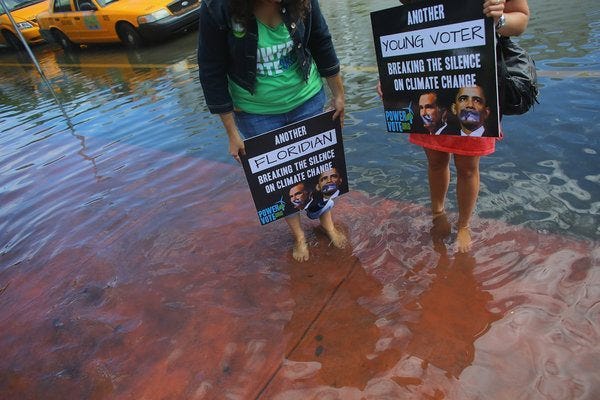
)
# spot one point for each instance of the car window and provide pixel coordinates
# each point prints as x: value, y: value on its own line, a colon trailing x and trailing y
x: 62, y: 5
x: 16, y: 4
x: 84, y: 5
x: 103, y: 3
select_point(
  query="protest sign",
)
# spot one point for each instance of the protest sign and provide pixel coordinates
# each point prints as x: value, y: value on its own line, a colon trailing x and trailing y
x: 437, y: 68
x: 298, y: 167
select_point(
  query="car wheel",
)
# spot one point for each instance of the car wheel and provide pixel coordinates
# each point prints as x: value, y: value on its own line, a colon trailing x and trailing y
x: 64, y: 40
x: 12, y: 40
x: 129, y: 35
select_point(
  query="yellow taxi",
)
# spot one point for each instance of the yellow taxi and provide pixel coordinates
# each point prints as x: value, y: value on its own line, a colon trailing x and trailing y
x: 23, y: 12
x: 133, y: 22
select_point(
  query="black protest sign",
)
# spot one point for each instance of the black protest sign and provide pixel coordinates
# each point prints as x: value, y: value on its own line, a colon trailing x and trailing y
x: 437, y: 68
x: 299, y: 167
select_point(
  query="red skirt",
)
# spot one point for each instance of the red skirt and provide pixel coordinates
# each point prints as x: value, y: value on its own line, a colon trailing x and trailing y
x: 464, y: 146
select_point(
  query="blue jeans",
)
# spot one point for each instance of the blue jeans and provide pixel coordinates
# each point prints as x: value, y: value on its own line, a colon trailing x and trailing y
x: 251, y: 125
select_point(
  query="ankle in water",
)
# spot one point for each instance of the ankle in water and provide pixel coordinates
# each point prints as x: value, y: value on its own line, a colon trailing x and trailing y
x: 463, y: 239
x: 436, y: 214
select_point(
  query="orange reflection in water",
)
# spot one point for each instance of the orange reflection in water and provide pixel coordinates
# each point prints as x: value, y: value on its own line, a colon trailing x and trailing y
x: 453, y: 314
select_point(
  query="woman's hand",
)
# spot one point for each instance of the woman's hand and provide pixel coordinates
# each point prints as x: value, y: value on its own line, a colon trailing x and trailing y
x: 236, y: 144
x: 338, y: 102
x: 516, y: 14
x: 493, y: 8
x: 379, y: 91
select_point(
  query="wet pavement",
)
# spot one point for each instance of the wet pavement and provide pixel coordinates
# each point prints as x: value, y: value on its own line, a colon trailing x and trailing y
x: 158, y: 303
x: 132, y: 264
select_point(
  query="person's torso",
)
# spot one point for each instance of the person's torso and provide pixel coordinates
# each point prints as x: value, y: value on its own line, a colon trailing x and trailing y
x: 280, y: 86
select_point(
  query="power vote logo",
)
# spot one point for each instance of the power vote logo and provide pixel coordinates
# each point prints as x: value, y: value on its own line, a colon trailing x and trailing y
x: 400, y: 120
x: 272, y: 213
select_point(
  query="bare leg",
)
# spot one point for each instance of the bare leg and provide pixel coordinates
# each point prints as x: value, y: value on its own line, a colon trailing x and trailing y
x: 338, y: 239
x: 467, y: 190
x: 438, y: 171
x: 300, y: 249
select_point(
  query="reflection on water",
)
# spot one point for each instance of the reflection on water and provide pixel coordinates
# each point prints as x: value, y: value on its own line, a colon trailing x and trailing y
x: 438, y: 336
x: 113, y: 257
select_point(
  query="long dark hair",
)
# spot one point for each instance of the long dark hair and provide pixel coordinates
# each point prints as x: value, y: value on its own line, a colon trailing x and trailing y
x: 243, y: 10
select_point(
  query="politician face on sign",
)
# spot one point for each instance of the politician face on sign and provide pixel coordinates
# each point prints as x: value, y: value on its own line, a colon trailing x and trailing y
x: 299, y: 196
x: 329, y: 183
x: 470, y: 106
x: 432, y: 113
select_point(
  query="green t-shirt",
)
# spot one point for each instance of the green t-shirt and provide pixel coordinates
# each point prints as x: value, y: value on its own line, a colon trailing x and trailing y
x: 279, y: 84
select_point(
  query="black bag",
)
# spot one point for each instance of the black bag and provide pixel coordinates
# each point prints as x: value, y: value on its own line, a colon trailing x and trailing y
x: 517, y: 78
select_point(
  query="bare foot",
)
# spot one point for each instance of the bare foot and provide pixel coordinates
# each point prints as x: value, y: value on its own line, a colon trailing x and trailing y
x: 300, y: 251
x: 463, y: 239
x: 338, y: 239
x: 439, y: 231
x: 441, y: 227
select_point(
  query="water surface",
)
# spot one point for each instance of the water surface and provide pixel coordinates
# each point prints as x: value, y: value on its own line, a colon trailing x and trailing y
x: 131, y: 263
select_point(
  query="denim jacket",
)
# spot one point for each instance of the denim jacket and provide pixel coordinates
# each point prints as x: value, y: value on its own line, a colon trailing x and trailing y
x: 225, y: 51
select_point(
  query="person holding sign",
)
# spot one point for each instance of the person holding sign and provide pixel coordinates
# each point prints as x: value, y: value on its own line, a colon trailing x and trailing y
x: 511, y: 18
x: 261, y: 64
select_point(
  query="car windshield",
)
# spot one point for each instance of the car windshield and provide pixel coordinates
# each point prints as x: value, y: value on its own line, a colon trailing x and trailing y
x: 16, y: 4
x: 103, y: 3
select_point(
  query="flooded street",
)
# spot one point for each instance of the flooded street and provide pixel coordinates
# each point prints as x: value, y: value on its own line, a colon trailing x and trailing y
x: 132, y: 265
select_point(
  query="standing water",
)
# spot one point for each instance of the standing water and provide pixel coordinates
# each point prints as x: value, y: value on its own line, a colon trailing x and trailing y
x: 132, y: 264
